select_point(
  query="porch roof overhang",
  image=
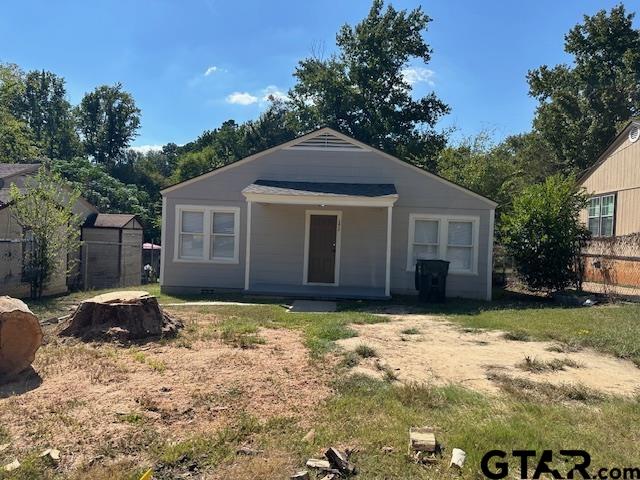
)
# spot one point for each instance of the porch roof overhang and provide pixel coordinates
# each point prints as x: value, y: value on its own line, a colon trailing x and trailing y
x: 321, y: 193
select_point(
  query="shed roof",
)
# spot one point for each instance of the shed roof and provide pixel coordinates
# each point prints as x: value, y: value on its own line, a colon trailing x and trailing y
x: 277, y: 187
x: 109, y: 220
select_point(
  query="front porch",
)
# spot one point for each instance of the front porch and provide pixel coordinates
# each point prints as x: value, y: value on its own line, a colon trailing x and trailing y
x: 319, y: 240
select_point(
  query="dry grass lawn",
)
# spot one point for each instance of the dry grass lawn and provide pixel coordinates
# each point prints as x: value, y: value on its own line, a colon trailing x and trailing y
x: 255, y: 379
x: 102, y: 403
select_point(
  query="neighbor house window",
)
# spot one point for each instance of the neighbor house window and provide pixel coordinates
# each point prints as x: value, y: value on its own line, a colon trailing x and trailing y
x: 207, y: 234
x: 451, y: 238
x: 601, y: 212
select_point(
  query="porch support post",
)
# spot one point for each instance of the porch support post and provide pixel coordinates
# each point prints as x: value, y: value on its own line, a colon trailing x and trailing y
x: 387, y: 282
x: 247, y: 257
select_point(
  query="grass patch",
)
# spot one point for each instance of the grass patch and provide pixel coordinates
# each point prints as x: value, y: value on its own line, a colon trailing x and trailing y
x: 4, y: 435
x: 410, y: 331
x: 365, y: 351
x: 350, y: 360
x: 533, y: 365
x: 544, y: 391
x: 207, y: 451
x: 155, y: 364
x: 516, y: 336
x: 564, y: 347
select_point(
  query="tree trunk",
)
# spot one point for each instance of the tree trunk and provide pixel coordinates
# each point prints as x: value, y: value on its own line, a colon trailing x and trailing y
x: 20, y: 337
x: 121, y: 316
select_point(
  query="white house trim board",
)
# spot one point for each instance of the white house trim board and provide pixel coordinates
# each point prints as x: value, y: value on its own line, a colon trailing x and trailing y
x: 333, y: 200
x: 247, y: 256
x: 163, y: 241
x: 307, y: 225
x: 492, y: 216
x: 207, y: 211
x: 387, y: 280
x: 443, y: 238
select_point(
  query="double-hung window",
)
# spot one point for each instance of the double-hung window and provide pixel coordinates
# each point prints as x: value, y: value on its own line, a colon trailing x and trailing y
x: 207, y: 234
x: 601, y: 211
x: 451, y: 238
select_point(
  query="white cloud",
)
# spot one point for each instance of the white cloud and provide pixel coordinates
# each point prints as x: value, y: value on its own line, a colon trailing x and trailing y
x: 273, y: 91
x: 146, y: 148
x: 413, y: 75
x: 242, y: 98
x: 211, y: 70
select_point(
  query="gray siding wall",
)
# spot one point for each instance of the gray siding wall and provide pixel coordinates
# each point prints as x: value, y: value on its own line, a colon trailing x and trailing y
x: 418, y: 193
x: 277, y: 250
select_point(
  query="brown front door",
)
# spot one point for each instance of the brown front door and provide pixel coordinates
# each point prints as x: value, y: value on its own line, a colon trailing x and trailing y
x: 322, y: 248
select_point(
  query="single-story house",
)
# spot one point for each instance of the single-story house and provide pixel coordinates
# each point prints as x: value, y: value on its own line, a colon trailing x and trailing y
x: 11, y: 235
x: 613, y: 186
x: 323, y: 215
x: 111, y: 250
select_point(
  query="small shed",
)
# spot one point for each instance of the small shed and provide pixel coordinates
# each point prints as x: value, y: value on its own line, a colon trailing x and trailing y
x: 151, y: 256
x: 111, y: 250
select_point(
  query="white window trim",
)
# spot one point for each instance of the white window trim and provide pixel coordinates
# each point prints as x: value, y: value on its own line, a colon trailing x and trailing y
x: 443, y: 236
x: 600, y: 216
x: 207, y: 212
x: 307, y: 228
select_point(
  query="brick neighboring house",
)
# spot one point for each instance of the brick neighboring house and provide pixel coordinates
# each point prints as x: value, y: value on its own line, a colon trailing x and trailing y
x: 613, y: 212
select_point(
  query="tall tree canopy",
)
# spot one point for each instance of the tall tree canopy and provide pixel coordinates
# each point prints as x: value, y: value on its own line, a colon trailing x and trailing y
x: 108, y: 120
x: 581, y: 105
x: 362, y: 90
x: 48, y: 114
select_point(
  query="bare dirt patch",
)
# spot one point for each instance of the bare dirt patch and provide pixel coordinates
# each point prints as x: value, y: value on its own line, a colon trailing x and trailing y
x: 98, y: 403
x: 445, y: 353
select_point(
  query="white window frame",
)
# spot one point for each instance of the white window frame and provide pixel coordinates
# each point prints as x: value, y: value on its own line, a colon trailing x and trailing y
x: 443, y: 238
x: 600, y: 199
x: 207, y: 234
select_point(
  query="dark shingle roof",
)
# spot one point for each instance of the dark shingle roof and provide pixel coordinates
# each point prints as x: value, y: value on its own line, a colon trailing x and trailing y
x: 108, y: 220
x: 277, y: 187
x: 8, y: 170
x: 11, y: 169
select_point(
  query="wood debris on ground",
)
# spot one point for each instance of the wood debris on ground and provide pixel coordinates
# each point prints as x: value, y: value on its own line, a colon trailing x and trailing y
x: 423, y: 446
x: 51, y: 453
x: 10, y: 467
x: 301, y: 475
x: 335, y: 465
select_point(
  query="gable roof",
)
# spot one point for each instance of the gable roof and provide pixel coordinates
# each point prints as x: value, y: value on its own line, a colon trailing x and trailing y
x: 615, y: 143
x: 12, y: 169
x: 335, y: 138
x: 108, y: 220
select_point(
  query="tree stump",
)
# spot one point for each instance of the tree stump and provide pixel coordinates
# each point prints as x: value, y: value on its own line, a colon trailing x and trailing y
x: 120, y: 316
x: 20, y: 337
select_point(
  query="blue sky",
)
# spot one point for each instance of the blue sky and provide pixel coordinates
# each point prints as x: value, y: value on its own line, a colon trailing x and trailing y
x: 192, y: 64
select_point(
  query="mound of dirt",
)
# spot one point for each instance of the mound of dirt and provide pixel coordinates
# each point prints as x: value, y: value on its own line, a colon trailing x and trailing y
x: 120, y: 316
x: 20, y: 337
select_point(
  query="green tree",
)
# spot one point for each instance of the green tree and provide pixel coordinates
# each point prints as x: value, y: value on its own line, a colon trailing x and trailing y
x: 48, y: 114
x: 16, y: 143
x: 544, y: 234
x: 363, y: 90
x: 108, y: 120
x: 108, y: 194
x: 581, y: 105
x: 50, y: 227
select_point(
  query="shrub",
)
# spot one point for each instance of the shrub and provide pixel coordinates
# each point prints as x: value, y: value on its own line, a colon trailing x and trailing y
x: 544, y: 234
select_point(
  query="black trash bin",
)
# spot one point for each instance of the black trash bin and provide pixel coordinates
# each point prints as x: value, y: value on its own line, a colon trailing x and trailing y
x: 431, y: 279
